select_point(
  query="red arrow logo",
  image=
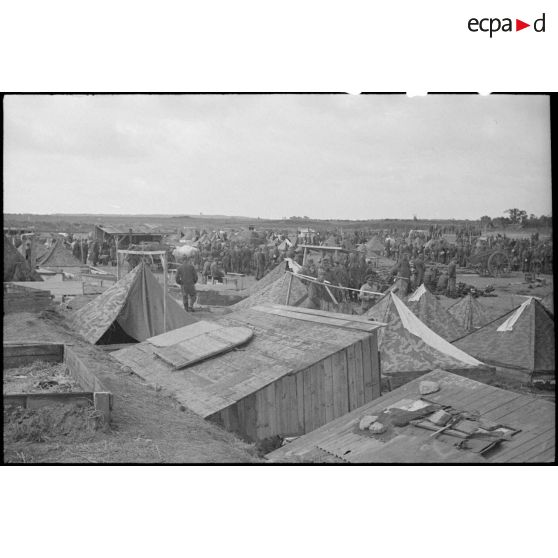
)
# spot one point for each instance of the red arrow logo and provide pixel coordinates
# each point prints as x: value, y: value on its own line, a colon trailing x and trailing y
x: 519, y: 25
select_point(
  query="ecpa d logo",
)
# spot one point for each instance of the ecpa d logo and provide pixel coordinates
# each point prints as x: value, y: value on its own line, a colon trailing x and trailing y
x: 493, y: 25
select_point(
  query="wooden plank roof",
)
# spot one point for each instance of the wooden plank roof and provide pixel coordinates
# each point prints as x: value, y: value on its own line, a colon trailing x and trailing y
x: 534, y: 417
x: 281, y: 345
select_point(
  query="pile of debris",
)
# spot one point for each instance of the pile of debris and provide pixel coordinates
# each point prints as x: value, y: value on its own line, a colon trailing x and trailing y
x: 466, y: 430
x: 463, y: 289
x: 39, y: 377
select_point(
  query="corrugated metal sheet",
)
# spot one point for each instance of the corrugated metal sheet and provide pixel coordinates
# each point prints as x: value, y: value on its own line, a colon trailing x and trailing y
x: 533, y: 417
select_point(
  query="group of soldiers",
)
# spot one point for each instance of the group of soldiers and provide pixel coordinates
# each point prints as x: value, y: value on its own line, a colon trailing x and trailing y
x: 93, y: 252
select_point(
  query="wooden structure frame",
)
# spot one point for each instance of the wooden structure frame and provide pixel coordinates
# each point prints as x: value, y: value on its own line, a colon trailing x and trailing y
x: 94, y: 392
x: 321, y: 249
x: 163, y: 256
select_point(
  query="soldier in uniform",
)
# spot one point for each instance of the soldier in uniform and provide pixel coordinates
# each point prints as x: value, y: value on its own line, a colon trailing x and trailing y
x: 187, y: 277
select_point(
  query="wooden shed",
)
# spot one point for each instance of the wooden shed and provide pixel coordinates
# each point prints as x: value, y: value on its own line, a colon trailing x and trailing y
x: 301, y: 369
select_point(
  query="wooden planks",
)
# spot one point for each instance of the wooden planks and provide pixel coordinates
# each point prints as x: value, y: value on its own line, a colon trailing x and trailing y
x: 359, y: 375
x: 203, y: 346
x: 81, y: 373
x: 535, y: 418
x: 300, y: 402
x: 24, y: 299
x: 367, y: 371
x: 319, y: 394
x: 340, y: 384
x: 351, y: 377
x: 21, y: 354
x: 337, y: 315
x: 182, y: 333
x: 38, y: 400
x: 375, y: 371
x: 328, y: 389
x: 329, y: 320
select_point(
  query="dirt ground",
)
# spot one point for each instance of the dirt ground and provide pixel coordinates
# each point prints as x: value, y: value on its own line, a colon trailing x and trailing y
x: 148, y: 426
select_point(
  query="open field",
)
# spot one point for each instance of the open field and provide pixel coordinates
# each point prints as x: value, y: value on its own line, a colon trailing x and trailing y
x: 83, y: 223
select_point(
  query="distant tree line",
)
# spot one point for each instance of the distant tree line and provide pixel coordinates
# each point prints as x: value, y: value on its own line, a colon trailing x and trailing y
x: 517, y: 217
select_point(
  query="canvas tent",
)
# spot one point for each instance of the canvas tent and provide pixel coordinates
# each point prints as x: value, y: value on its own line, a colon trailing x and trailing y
x: 130, y: 310
x: 285, y: 245
x: 58, y: 256
x: 470, y: 313
x: 275, y: 290
x: 431, y: 312
x: 374, y: 246
x: 331, y: 241
x: 15, y: 266
x: 521, y: 342
x: 408, y: 348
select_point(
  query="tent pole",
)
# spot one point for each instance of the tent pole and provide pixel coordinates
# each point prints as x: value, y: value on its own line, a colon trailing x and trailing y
x: 164, y: 260
x: 289, y: 289
x: 117, y: 260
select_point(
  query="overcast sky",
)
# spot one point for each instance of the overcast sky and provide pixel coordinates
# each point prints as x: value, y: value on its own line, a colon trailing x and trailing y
x: 354, y: 157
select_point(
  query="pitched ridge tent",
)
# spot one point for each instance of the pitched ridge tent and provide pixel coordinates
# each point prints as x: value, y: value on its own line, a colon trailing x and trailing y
x: 301, y: 369
x: 342, y: 441
x: 330, y: 241
x: 431, y: 312
x: 285, y: 245
x: 130, y: 310
x: 374, y: 245
x: 521, y: 340
x: 470, y: 313
x: 277, y: 291
x: 58, y: 256
x: 15, y: 266
x: 270, y: 277
x: 408, y: 348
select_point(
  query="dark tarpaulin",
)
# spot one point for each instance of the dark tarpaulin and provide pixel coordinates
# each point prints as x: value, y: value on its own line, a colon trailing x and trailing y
x: 141, y: 316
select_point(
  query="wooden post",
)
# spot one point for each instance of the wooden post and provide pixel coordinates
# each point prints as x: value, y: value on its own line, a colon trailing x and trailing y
x: 330, y: 294
x: 117, y: 260
x: 304, y: 256
x: 164, y: 261
x: 289, y: 289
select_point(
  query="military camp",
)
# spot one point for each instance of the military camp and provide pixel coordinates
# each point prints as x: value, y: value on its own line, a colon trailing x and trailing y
x: 277, y: 279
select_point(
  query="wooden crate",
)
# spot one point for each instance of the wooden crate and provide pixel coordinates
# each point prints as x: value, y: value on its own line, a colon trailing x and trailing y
x: 25, y: 299
x: 21, y: 354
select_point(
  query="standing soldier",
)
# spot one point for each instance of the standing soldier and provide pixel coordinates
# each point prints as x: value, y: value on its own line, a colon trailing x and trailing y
x: 84, y: 251
x: 260, y: 264
x: 365, y: 295
x: 419, y: 267
x: 187, y: 277
x: 452, y: 272
x: 402, y: 269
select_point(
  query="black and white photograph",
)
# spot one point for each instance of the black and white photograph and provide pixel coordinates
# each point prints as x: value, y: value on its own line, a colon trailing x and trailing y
x: 266, y: 279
